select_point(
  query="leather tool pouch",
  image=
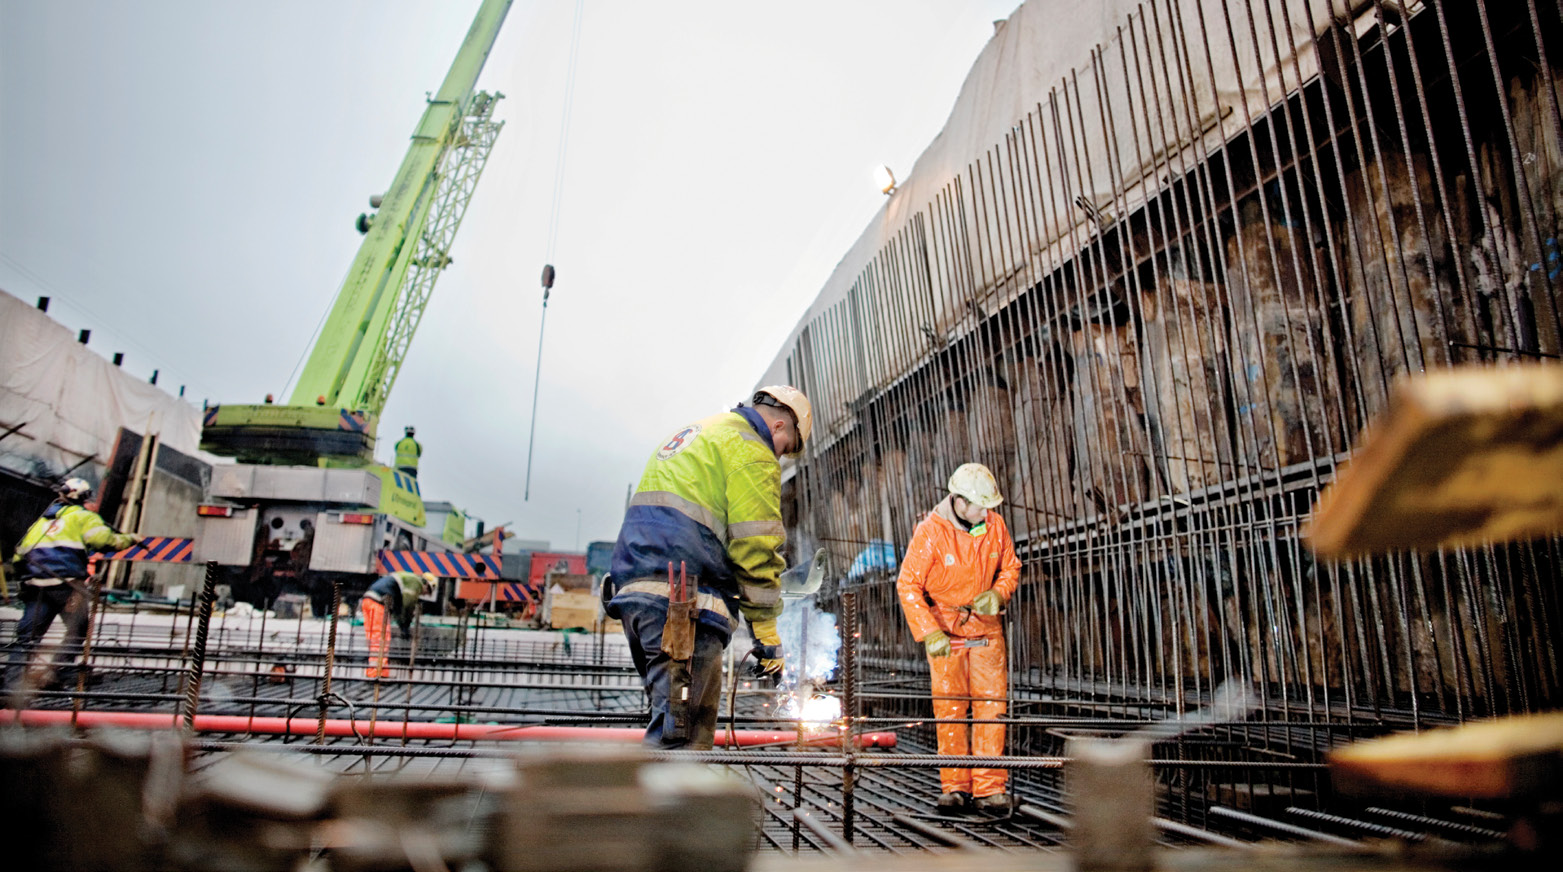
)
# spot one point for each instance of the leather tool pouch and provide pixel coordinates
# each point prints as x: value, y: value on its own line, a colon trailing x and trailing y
x: 678, y: 634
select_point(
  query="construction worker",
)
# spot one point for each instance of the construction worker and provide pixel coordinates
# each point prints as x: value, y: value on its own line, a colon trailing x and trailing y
x: 394, y: 594
x: 407, y: 453
x: 960, y: 570
x: 53, y: 563
x: 707, y: 515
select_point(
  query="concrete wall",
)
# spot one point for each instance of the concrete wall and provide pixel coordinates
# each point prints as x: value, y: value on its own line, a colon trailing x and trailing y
x: 170, y: 511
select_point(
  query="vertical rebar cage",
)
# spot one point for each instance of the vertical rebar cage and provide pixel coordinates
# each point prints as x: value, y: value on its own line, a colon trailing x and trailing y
x: 1159, y: 309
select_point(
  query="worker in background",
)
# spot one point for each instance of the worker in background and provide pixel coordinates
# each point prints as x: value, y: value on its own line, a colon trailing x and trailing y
x: 52, y: 559
x: 960, y: 570
x: 407, y: 453
x: 394, y: 594
x: 709, y: 502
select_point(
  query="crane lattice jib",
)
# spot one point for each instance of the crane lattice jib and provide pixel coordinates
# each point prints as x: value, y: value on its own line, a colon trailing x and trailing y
x: 356, y: 358
x: 465, y: 161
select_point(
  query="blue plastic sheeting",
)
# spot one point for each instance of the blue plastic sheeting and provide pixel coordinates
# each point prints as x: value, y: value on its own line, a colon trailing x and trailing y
x: 879, y: 556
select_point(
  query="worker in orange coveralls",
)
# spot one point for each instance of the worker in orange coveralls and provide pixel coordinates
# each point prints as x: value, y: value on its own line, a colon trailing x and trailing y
x: 959, y: 571
x: 394, y: 594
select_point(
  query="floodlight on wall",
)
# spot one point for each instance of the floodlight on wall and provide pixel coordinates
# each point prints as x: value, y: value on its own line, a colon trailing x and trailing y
x: 885, y: 179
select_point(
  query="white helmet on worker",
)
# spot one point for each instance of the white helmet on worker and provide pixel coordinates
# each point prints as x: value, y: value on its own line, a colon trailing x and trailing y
x: 411, y: 430
x: 789, y: 398
x: 74, y: 490
x: 430, y: 581
x: 975, y: 483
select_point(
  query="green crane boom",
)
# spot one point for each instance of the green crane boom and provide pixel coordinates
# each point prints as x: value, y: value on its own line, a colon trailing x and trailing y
x: 333, y: 415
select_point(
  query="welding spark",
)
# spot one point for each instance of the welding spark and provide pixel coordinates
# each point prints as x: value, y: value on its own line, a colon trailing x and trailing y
x: 814, y: 710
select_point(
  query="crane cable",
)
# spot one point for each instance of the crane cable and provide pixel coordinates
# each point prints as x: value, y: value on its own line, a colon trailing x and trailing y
x: 553, y: 228
x: 564, y: 133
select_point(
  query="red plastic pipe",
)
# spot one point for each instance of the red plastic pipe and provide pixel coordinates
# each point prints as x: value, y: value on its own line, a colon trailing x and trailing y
x: 391, y: 729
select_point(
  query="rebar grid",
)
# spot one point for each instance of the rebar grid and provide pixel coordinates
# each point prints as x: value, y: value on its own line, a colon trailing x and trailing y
x: 1158, y: 310
x: 836, y: 799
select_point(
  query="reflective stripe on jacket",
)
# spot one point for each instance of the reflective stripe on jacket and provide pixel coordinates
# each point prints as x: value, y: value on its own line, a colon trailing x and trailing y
x: 408, y: 451
x: 948, y: 565
x: 57, y: 544
x: 711, y: 498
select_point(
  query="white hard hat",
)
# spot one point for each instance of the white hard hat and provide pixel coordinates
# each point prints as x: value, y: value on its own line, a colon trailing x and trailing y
x: 975, y: 482
x: 75, y: 489
x: 793, y: 400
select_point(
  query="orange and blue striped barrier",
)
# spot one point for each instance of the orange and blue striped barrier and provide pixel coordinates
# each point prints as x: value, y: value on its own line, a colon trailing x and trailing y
x: 446, y: 564
x: 157, y: 549
x: 514, y: 592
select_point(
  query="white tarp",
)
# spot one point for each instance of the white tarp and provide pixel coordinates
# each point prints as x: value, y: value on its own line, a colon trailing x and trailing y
x: 1115, y: 138
x: 70, y: 401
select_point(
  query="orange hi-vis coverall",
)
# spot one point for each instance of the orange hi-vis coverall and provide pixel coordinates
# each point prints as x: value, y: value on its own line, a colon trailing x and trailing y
x: 393, y: 595
x: 946, y: 566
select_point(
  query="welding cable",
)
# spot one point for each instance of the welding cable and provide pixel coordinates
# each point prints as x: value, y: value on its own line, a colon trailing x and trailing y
x: 727, y: 743
x: 732, y: 702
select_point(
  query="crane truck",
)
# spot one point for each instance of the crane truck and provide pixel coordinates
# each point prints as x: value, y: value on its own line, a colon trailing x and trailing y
x: 306, y: 507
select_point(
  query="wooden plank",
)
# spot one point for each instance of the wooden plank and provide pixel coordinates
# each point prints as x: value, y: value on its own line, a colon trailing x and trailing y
x: 1462, y: 456
x: 1518, y: 757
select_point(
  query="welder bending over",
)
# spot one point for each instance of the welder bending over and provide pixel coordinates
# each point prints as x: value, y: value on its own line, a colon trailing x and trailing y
x: 395, y: 594
x: 960, y: 570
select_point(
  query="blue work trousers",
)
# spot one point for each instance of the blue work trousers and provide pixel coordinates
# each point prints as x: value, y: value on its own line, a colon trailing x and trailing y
x: 643, y: 624
x: 45, y: 605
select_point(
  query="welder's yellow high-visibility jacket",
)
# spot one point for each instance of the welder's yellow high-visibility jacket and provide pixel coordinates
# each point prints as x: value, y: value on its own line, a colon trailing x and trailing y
x: 57, y: 545
x: 710, y: 497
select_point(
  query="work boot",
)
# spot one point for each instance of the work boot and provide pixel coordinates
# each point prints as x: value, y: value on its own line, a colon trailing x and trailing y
x: 998, y: 803
x: 954, y: 802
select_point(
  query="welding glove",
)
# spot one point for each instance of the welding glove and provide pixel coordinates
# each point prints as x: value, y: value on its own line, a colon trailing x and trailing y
x: 987, y: 603
x: 937, y: 643
x: 767, y: 646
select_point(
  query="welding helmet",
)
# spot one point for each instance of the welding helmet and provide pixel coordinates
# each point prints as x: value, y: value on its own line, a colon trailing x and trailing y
x: 975, y: 483
x: 74, y: 490
x: 789, y: 398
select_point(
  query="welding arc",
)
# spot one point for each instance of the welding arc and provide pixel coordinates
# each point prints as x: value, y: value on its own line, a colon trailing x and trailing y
x: 414, y: 729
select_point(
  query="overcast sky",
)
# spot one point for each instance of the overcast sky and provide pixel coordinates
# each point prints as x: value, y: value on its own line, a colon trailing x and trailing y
x: 182, y: 178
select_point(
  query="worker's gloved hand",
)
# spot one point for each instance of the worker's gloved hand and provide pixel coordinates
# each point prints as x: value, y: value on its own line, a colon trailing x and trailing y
x: 767, y: 646
x: 987, y: 603
x: 937, y: 643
